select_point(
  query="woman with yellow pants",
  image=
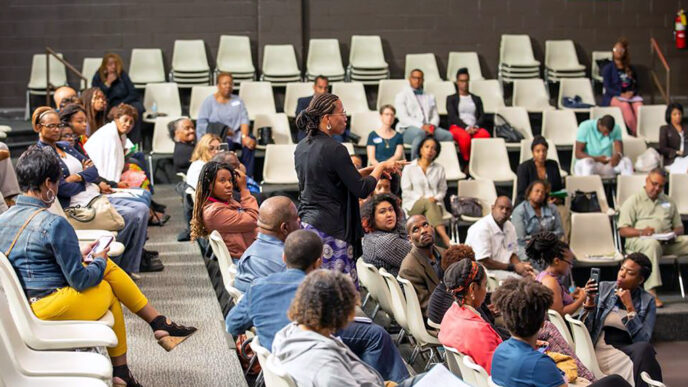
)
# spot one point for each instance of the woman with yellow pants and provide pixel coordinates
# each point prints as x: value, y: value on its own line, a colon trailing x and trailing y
x: 44, y: 251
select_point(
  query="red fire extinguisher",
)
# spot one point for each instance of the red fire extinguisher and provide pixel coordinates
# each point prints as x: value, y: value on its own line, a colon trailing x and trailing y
x: 680, y: 29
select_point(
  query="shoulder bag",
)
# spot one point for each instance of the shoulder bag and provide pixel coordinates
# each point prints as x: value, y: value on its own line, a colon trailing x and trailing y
x: 585, y: 202
x: 98, y: 214
x: 507, y: 131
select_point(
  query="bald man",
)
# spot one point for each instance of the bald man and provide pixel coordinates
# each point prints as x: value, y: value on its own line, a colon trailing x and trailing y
x: 277, y: 218
x: 62, y: 93
x: 493, y: 239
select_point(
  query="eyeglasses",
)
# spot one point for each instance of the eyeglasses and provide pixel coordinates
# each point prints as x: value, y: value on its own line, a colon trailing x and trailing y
x: 343, y: 113
x: 69, y: 135
x: 54, y: 126
x: 567, y: 261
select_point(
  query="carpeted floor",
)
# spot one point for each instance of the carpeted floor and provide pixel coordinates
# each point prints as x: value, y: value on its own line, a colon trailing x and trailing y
x: 182, y: 292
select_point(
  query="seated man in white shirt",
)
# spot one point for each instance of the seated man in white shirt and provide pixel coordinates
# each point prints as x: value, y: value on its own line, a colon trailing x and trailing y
x: 417, y: 114
x: 493, y: 239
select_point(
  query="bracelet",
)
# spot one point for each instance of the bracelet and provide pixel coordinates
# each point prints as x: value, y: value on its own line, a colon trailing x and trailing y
x: 510, y: 267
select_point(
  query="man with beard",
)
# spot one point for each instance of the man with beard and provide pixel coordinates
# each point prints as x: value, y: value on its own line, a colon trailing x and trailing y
x: 493, y: 239
x: 422, y: 264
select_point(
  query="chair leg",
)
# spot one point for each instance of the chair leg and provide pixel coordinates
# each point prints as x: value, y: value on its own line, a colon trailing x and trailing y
x: 680, y: 278
x: 377, y: 309
x: 430, y: 359
x: 414, y: 355
x: 152, y: 171
x: 260, y: 380
x: 365, y: 300
x: 400, y: 337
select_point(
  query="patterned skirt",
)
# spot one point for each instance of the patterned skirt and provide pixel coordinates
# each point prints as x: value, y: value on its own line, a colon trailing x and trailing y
x: 337, y: 254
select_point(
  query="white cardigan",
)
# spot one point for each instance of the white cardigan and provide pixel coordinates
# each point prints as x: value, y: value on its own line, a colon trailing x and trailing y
x: 417, y: 185
x: 105, y: 147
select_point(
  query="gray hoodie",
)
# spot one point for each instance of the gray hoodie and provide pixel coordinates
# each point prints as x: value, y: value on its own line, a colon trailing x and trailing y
x: 314, y: 360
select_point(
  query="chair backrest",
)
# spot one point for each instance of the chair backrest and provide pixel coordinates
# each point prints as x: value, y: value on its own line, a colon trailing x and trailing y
x: 324, y: 58
x: 585, y: 350
x: 362, y: 123
x: 224, y: 260
x: 527, y: 153
x: 58, y: 72
x: 518, y: 118
x: 280, y: 60
x: 560, y: 127
x: 377, y: 288
x: 633, y: 147
x: 162, y: 143
x: 650, y: 119
x: 469, y: 60
x: 349, y: 147
x: 516, y: 50
x: 627, y: 186
x: 441, y: 90
x: 388, y: 90
x: 490, y: 160
x: 483, y: 189
x: 273, y: 373
x: 595, y: 70
x: 561, y: 54
x: 678, y: 186
x: 490, y: 92
x: 234, y: 54
x: 89, y: 68
x: 450, y: 161
x: 279, y: 122
x: 491, y: 382
x: 260, y: 351
x: 457, y: 366
x: 531, y: 94
x: 592, y: 238
x: 650, y: 382
x: 366, y: 52
x: 558, y: 321
x: 424, y: 62
x: 414, y: 316
x: 279, y: 167
x: 146, y: 66
x: 294, y: 91
x: 258, y: 98
x: 165, y: 96
x: 588, y: 184
x: 189, y: 56
x: 198, y: 95
x: 363, y: 274
x: 352, y: 95
x: 571, y: 87
x: 614, y: 111
x: 397, y: 297
x: 479, y: 372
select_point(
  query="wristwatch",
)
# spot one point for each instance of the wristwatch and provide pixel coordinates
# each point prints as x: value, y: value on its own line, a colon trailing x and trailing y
x: 510, y: 267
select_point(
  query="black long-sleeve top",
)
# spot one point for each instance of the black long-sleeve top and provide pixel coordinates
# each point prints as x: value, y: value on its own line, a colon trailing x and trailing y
x: 453, y: 111
x: 122, y: 90
x: 527, y: 173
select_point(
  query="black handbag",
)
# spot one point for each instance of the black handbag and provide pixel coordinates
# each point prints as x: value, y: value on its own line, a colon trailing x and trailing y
x: 585, y: 202
x: 265, y: 136
x: 507, y: 131
x: 219, y: 129
x: 465, y: 206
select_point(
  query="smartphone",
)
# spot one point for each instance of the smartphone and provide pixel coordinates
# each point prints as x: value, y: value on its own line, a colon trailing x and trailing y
x: 595, y: 274
x: 224, y: 147
x: 101, y: 244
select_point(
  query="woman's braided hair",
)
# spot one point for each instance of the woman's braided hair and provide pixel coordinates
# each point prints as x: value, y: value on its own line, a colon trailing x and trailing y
x: 204, y: 189
x: 459, y: 277
x: 309, y: 119
x: 543, y: 247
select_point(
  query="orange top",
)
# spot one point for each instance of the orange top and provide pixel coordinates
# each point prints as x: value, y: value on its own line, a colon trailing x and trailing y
x: 236, y: 222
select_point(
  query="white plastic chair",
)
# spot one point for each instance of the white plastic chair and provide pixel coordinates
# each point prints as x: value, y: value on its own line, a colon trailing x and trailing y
x: 363, y: 278
x: 38, y: 82
x: 424, y: 340
x: 571, y: 87
x: 388, y: 90
x: 366, y: 60
x: 166, y: 98
x: 424, y: 62
x: 279, y: 64
x: 469, y: 60
x: 272, y: 371
x: 491, y: 382
x: 190, y: 63
x: 377, y: 288
x: 479, y: 373
x: 592, y: 240
x: 457, y: 367
x: 49, y: 335
x: 228, y: 269
x: 490, y: 160
x: 362, y: 123
x: 678, y: 186
x: 324, y: 58
x: 162, y: 143
x: 398, y: 302
x: 450, y: 161
x: 552, y: 154
x: 88, y: 69
x: 490, y: 92
x: 587, y: 184
x: 516, y: 51
x: 234, y: 57
x: 532, y: 95
x: 481, y: 189
x: 633, y: 147
x: 279, y: 165
x: 627, y: 186
x: 198, y: 95
x: 441, y: 90
x: 519, y: 120
x: 48, y: 363
x: 279, y: 122
x: 601, y: 111
x: 650, y: 119
x: 352, y: 95
x: 561, y: 60
x: 595, y: 70
x: 558, y: 321
x: 651, y: 382
x: 258, y: 98
x: 146, y: 66
x: 560, y: 128
x: 294, y: 91
x: 585, y: 350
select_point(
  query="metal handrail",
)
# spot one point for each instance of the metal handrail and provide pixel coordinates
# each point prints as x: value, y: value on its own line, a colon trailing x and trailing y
x: 656, y: 51
x: 49, y: 86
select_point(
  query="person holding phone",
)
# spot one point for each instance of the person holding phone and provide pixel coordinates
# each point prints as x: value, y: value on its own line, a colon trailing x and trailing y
x: 621, y: 317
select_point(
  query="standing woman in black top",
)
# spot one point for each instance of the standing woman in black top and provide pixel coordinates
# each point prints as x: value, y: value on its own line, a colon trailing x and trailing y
x: 330, y: 185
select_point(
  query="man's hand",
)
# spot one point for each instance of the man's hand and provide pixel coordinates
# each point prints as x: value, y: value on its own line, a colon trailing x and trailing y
x: 432, y: 199
x: 615, y: 159
x: 104, y: 188
x: 647, y: 231
x: 4, y: 154
x: 524, y: 269
x: 601, y: 159
x: 427, y: 128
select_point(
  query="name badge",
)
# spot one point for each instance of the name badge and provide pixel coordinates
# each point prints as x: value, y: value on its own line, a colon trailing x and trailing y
x: 235, y: 103
x: 377, y: 140
x: 666, y: 205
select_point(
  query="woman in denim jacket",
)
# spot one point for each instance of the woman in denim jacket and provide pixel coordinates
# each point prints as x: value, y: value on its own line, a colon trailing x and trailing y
x: 60, y: 280
x: 621, y: 322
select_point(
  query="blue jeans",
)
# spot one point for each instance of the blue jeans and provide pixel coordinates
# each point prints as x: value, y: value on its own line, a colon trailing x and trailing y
x: 133, y: 235
x: 374, y: 346
x: 414, y: 135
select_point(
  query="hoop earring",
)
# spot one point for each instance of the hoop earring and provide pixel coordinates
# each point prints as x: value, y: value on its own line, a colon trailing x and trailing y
x: 329, y: 128
x: 50, y: 197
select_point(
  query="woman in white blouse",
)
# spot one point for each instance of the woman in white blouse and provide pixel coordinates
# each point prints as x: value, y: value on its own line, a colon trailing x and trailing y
x: 423, y: 186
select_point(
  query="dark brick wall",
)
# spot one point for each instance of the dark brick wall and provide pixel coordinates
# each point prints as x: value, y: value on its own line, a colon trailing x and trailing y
x: 81, y: 28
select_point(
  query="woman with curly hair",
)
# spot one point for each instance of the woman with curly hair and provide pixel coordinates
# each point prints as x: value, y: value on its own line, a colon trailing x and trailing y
x: 330, y: 185
x: 385, y: 243
x: 216, y: 209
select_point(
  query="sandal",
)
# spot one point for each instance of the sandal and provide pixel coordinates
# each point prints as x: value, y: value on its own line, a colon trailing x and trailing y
x: 170, y: 334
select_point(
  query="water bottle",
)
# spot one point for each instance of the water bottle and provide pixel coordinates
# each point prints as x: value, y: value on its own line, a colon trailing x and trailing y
x: 154, y: 110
